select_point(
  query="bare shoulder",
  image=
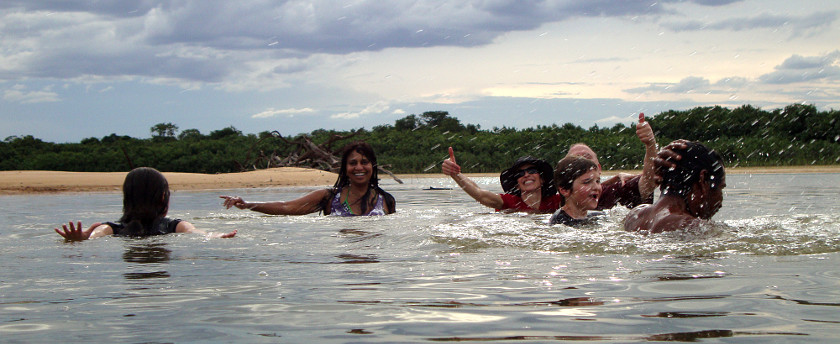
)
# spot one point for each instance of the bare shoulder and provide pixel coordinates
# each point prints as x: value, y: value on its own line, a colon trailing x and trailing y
x: 184, y: 227
x: 637, y: 218
x: 673, y: 222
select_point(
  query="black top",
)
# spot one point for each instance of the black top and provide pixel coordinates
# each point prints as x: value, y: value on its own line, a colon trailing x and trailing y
x: 560, y: 217
x: 161, y: 226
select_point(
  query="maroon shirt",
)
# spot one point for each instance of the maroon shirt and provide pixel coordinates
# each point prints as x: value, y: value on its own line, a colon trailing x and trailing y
x: 515, y: 202
x: 627, y: 195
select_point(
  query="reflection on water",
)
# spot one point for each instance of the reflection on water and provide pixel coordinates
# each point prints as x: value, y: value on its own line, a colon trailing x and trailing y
x: 664, y: 337
x: 444, y: 268
x: 146, y: 253
x: 357, y: 259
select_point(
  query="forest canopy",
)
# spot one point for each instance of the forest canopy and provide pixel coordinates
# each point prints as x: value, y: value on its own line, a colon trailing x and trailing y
x: 745, y: 136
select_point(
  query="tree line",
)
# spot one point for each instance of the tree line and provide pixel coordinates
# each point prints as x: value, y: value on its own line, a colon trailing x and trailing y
x: 745, y: 136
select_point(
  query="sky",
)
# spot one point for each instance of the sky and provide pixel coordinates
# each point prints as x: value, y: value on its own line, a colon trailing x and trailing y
x: 74, y: 69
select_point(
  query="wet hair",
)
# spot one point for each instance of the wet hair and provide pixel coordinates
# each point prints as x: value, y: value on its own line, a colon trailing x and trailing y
x: 145, y: 200
x: 365, y: 150
x: 695, y: 158
x: 570, y: 168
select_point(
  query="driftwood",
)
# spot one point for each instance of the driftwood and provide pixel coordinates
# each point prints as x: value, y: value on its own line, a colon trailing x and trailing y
x: 304, y: 154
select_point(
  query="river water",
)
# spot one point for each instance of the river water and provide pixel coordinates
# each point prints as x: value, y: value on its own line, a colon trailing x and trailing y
x: 442, y: 269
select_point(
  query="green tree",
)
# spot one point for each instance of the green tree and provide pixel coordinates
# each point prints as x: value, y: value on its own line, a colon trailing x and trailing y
x: 164, y: 130
x: 190, y: 134
x: 406, y: 123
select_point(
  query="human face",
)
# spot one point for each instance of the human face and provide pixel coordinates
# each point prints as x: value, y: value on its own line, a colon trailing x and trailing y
x: 530, y: 180
x: 359, y: 168
x: 714, y: 201
x: 586, y: 190
x: 584, y: 151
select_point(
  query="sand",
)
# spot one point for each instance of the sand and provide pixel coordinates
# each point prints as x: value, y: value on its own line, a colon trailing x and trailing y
x: 24, y: 182
x: 33, y: 182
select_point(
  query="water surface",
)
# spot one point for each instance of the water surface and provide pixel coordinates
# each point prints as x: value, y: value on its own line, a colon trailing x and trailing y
x: 443, y: 268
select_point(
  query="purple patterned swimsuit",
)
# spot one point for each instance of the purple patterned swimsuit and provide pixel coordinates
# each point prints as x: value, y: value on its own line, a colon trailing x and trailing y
x: 337, y: 208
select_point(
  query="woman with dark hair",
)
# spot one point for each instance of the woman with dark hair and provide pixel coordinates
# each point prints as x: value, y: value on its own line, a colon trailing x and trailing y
x: 356, y: 192
x: 528, y: 186
x: 691, y: 190
x: 578, y: 181
x: 145, y: 205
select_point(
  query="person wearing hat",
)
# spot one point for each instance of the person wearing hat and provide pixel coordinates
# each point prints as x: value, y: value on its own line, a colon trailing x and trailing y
x: 624, y: 189
x: 528, y: 186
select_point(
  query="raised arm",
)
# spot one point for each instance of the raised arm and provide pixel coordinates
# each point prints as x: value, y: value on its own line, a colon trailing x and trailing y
x: 486, y: 198
x: 301, y: 206
x: 648, y: 181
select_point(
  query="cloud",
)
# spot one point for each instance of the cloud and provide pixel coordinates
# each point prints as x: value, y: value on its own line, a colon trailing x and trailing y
x: 19, y: 94
x: 794, y: 69
x: 217, y: 42
x: 611, y: 120
x: 691, y: 84
x: 805, y: 68
x: 271, y: 112
x: 694, y: 84
x: 375, y: 108
x: 799, y: 25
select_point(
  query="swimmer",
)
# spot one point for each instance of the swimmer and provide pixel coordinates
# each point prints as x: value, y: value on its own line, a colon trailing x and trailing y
x: 691, y: 191
x: 528, y: 186
x: 627, y: 190
x: 356, y: 192
x: 145, y: 205
x: 578, y: 182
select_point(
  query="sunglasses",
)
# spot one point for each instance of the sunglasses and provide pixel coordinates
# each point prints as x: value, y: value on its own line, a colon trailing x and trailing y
x: 520, y: 173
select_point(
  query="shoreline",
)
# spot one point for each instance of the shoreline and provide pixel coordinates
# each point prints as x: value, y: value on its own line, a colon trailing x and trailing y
x: 41, y: 182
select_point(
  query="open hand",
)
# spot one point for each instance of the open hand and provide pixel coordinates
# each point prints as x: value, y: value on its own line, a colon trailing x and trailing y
x: 222, y: 235
x: 75, y: 233
x: 667, y: 158
x: 234, y: 201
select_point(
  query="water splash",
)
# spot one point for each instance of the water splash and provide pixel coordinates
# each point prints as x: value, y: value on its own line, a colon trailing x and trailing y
x: 764, y: 235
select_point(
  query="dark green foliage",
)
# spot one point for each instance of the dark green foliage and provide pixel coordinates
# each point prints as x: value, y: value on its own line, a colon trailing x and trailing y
x: 745, y: 136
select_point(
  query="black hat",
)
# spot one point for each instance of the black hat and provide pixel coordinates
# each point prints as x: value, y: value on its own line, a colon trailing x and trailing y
x: 509, y: 180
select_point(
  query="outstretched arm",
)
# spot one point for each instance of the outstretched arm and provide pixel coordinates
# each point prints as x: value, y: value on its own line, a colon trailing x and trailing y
x: 648, y: 181
x: 301, y: 206
x: 186, y: 227
x: 486, y: 198
x: 76, y: 233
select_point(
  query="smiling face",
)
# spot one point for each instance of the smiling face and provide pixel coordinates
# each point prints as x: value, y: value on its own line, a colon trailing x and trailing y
x: 530, y: 180
x: 585, y: 191
x: 359, y: 169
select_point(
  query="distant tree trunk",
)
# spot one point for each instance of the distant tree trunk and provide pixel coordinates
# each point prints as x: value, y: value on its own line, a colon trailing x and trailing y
x: 127, y: 158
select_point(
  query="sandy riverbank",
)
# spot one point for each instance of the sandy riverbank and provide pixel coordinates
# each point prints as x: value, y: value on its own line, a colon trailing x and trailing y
x: 26, y: 182
x: 23, y: 182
